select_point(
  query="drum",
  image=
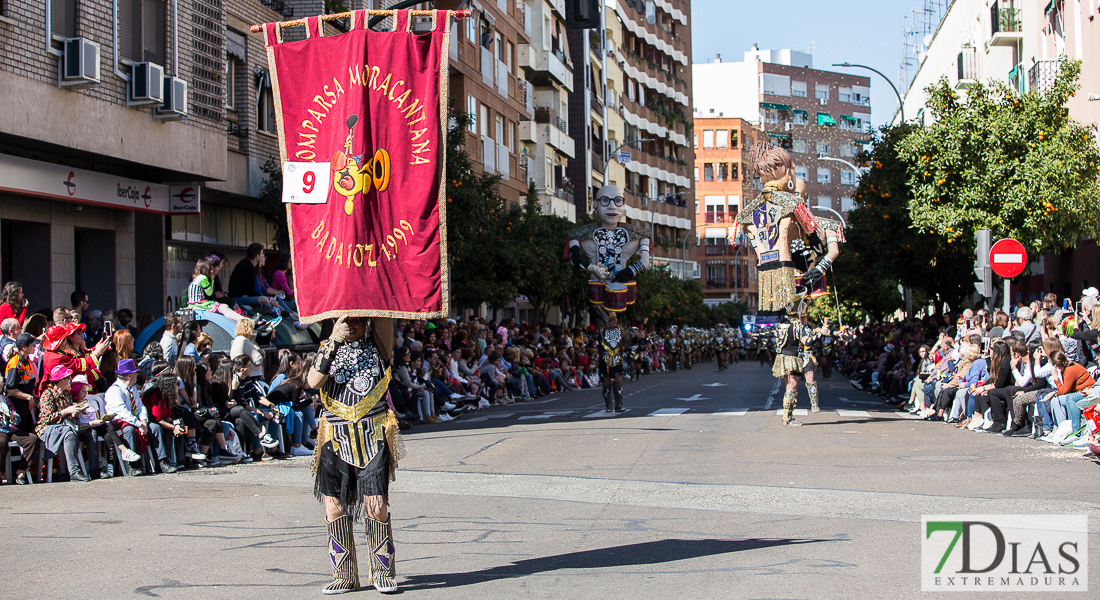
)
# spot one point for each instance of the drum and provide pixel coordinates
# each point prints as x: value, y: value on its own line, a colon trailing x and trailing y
x: 595, y: 291
x: 614, y: 297
x: 631, y: 292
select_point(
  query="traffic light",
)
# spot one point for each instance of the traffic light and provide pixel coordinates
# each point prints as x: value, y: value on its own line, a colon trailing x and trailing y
x: 984, y: 285
x: 582, y: 14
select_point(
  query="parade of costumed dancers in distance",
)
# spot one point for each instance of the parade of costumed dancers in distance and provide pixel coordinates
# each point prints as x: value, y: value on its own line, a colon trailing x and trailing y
x: 794, y: 249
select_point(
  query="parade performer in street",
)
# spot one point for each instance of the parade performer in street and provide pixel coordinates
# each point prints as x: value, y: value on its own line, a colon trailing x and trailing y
x: 808, y: 340
x: 786, y: 238
x: 611, y: 343
x: 357, y: 448
x: 793, y: 361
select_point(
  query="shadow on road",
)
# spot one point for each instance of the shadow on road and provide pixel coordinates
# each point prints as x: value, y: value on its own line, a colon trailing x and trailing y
x: 645, y: 553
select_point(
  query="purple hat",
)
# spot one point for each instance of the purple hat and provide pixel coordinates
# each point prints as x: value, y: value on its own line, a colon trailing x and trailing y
x: 126, y: 366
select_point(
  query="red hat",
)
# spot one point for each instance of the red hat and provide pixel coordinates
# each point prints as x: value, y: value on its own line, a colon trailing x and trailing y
x: 54, y: 336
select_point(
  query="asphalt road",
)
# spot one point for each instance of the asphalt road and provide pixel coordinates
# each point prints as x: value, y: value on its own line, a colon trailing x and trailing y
x: 695, y: 492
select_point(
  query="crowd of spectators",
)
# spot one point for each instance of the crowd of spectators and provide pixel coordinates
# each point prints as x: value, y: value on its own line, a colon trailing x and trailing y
x: 75, y: 390
x: 1031, y: 373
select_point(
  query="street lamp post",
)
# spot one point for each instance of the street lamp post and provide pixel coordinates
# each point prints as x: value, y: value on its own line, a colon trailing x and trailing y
x: 901, y: 105
x: 607, y: 163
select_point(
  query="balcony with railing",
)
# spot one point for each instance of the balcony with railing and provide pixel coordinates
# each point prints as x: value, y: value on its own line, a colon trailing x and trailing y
x: 549, y: 115
x: 537, y: 63
x: 597, y: 162
x: 1041, y: 76
x: 1005, y: 22
x: 718, y: 249
x: 968, y: 69
x: 564, y: 195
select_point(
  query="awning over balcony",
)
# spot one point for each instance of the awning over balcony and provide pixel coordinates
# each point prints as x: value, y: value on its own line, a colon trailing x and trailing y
x: 800, y: 112
x: 826, y: 120
x: 848, y: 118
x: 779, y: 135
x: 773, y: 106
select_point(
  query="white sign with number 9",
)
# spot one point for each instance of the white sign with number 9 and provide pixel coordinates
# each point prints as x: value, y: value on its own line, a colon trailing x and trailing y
x: 306, y: 182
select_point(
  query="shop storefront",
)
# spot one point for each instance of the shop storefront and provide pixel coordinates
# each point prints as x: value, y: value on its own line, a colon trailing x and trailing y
x: 65, y: 228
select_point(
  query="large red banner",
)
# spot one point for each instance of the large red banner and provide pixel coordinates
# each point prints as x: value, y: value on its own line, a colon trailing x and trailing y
x: 362, y: 123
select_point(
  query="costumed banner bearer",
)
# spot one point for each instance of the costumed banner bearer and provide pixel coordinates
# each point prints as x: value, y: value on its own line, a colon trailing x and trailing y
x: 362, y: 119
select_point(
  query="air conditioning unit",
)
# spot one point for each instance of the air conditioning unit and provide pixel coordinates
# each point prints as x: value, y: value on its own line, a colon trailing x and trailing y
x: 79, y: 66
x: 789, y: 126
x: 823, y: 101
x: 146, y: 84
x: 175, y: 100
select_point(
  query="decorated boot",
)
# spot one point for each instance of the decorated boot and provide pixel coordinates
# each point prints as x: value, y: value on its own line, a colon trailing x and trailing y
x: 382, y: 568
x: 812, y: 389
x: 341, y: 550
x: 617, y: 389
x: 607, y: 397
x: 790, y: 398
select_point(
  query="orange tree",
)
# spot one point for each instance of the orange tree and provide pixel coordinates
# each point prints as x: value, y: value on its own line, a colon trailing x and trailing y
x: 884, y: 249
x: 664, y: 299
x: 1016, y: 164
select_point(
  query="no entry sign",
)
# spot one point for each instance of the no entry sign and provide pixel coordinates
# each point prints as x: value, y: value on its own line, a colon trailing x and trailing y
x: 1008, y: 258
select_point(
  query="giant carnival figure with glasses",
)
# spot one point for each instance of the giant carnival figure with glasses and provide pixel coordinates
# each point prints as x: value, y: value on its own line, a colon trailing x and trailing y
x: 604, y: 250
x: 794, y: 249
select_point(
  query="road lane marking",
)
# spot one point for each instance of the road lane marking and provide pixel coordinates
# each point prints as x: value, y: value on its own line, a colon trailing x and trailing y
x: 733, y: 413
x: 668, y: 412
x: 798, y: 412
x: 853, y: 413
x: 694, y: 398
x: 600, y: 414
x: 547, y: 415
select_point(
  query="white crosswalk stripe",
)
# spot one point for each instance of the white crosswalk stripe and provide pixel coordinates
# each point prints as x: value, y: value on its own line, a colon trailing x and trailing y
x: 798, y: 412
x: 668, y: 412
x: 853, y: 413
x: 599, y: 414
x: 733, y: 413
x: 547, y: 415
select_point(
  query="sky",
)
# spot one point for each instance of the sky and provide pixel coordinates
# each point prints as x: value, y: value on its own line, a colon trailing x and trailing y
x: 867, y: 32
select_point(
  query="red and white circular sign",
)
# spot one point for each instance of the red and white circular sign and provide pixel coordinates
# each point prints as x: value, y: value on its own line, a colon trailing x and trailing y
x: 1008, y: 258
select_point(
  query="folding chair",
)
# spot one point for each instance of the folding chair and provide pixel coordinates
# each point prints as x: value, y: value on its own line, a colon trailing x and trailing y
x: 12, y: 447
x: 61, y: 462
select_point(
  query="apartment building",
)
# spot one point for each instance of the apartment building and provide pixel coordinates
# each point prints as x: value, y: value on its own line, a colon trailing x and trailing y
x: 587, y: 113
x: 487, y: 82
x: 814, y: 114
x: 728, y: 262
x: 133, y: 136
x: 547, y: 145
x: 1019, y: 43
x: 648, y: 97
